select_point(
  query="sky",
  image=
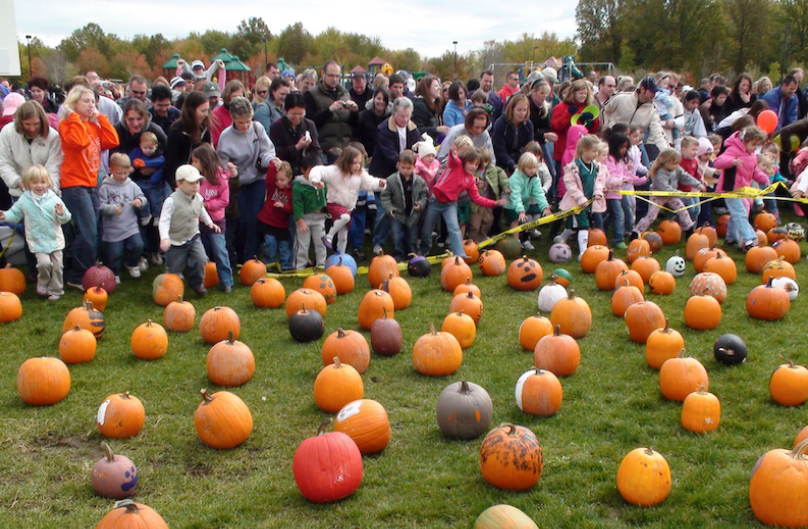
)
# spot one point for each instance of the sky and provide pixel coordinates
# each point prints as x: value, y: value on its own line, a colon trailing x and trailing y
x: 427, y: 26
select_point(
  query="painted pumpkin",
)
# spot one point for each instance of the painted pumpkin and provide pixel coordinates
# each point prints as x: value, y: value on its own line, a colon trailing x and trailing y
x: 538, y: 392
x: 560, y: 253
x: 306, y: 325
x: 549, y: 295
x: 636, y: 249
x: 114, y: 476
x: 525, y: 274
x: 323, y: 284
x: 709, y: 284
x: 85, y: 317
x: 464, y: 410
x: 676, y: 266
x: 166, y: 288
x: 778, y: 268
x: 729, y: 349
x: 120, y: 416
x: 511, y: 458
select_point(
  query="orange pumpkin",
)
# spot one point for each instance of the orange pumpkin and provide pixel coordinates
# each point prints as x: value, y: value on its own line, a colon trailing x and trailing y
x: 557, y: 353
x: 606, y: 272
x: 532, y: 330
x: 704, y: 254
x: 776, y: 234
x: 373, y: 307
x: 645, y: 266
x: 670, y: 231
x: 454, y: 272
x: 222, y: 420
x: 350, y: 347
x: 304, y: 296
x: 12, y: 280
x: 723, y: 266
x: 644, y: 477
x: 217, y: 323
x: 757, y: 258
x: 778, y: 268
x: 127, y: 513
x: 662, y: 283
x: 121, y: 416
x: 166, y: 288
x: 365, y: 421
x: 268, y: 293
x: 230, y: 362
x: 763, y: 240
x: 654, y: 240
x: 663, y: 344
x: 323, y: 284
x: 492, y: 263
x: 764, y: 221
x: 642, y: 319
x: 399, y: 290
x: 539, y: 392
x: 462, y: 327
x: 695, y: 242
x: 788, y: 249
x: 472, y: 252
x: 722, y: 225
x: 709, y: 284
x: 511, y: 458
x: 10, y: 307
x: 43, y: 381
x: 469, y: 304
x: 701, y: 412
x: 77, y: 346
x: 597, y: 237
x: 381, y: 267
x: 211, y: 275
x: 681, y: 376
x: 709, y: 232
x: 149, y: 341
x: 780, y: 476
x: 624, y: 297
x: 342, y: 276
x: 98, y: 296
x: 636, y: 249
x: 802, y: 436
x: 336, y: 385
x: 702, y: 312
x: 85, y: 317
x: 592, y: 257
x: 437, y: 353
x: 633, y: 277
x: 788, y: 384
x: 251, y: 271
x: 525, y: 274
x: 179, y: 316
x: 767, y: 302
x: 466, y: 288
x: 573, y: 315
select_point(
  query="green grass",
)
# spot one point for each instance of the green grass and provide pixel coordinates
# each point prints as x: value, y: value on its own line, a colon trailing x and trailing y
x: 612, y: 405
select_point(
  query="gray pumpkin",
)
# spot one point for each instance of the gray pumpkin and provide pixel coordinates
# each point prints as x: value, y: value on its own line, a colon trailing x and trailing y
x: 464, y: 410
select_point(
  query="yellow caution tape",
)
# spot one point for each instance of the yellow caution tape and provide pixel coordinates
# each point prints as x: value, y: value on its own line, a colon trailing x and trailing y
x: 362, y: 270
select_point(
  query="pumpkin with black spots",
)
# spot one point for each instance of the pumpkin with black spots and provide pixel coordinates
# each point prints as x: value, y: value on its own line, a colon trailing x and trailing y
x: 323, y: 284
x: 511, y: 457
x: 525, y: 274
x: 778, y: 268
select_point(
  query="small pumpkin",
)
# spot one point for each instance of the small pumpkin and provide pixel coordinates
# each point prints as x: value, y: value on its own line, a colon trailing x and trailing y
x: 336, y: 385
x: 342, y: 275
x: 349, y: 346
x: 12, y: 280
x: 538, y: 392
x: 710, y: 232
x: 511, y: 457
x: 723, y: 266
x: 466, y: 288
x: 696, y: 242
x: 788, y: 384
x: 532, y: 330
x: 560, y: 253
x: 464, y: 410
x: 323, y: 284
x: 472, y: 252
x: 636, y: 249
x: 77, y: 346
x: 676, y: 266
x: 633, y: 277
x: 251, y: 271
x: 729, y: 349
x: 85, y: 317
x: 642, y: 319
x: 437, y: 353
x: 268, y: 293
x: 597, y: 237
x: 461, y: 326
x: 777, y: 268
x: 166, y: 288
x: 644, y: 477
x: 313, y: 300
x: 557, y: 353
x: 179, y: 316
x: 217, y: 323
x: 381, y: 267
x: 624, y: 297
x: 419, y: 266
x: 328, y: 466
x: 399, y: 290
x: 709, y: 284
x: 702, y: 312
x: 365, y: 421
x: 764, y: 221
x: 525, y: 274
x: 549, y: 295
x: 114, y: 476
x: 646, y: 267
x: 149, y: 341
x: 230, y: 363
x: 492, y: 263
x: 654, y: 241
x: 469, y: 304
x: 501, y: 516
x: 767, y: 302
x: 509, y: 247
x: 663, y: 344
x: 788, y: 249
x: 573, y: 314
x: 43, y: 381
x: 670, y: 231
x: 98, y: 296
x: 385, y: 336
x: 562, y: 277
x: 222, y: 420
x: 681, y: 376
x: 704, y: 254
x: 373, y: 306
x: 722, y: 225
x: 120, y: 416
x: 306, y: 325
x: 662, y: 283
x: 211, y: 278
x: 592, y: 257
x: 454, y: 272
x: 701, y: 412
x: 607, y: 271
x: 10, y: 307
x: 127, y: 513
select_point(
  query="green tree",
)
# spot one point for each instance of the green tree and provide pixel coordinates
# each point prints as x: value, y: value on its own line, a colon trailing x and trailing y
x: 214, y: 40
x: 90, y: 36
x: 792, y: 16
x: 408, y: 59
x: 748, y: 28
x: 599, y: 30
x: 249, y: 37
x: 293, y: 43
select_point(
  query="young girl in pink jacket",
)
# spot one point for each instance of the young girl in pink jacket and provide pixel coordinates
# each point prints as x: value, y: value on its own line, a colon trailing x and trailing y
x: 622, y: 177
x: 739, y: 163
x: 216, y: 195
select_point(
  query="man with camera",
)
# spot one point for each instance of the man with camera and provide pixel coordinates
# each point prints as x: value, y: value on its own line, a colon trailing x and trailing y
x: 329, y: 105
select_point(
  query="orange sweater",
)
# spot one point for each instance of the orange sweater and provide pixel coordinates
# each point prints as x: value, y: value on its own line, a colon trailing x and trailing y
x: 82, y: 143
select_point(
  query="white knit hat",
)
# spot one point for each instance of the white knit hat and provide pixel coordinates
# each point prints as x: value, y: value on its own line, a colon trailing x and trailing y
x: 425, y: 147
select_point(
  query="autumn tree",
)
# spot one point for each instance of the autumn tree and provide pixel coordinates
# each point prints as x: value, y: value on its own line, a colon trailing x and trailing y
x: 293, y: 43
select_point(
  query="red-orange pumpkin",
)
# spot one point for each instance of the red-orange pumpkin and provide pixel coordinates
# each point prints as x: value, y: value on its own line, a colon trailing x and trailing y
x: 381, y: 267
x: 251, y: 271
x: 642, y: 319
x: 217, y: 323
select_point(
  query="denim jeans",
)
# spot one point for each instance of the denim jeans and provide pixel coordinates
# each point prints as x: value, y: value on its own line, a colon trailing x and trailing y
x: 628, y: 214
x: 250, y: 202
x: 739, y: 222
x: 694, y: 211
x: 356, y: 233
x: 127, y: 250
x: 216, y: 247
x: 381, y: 232
x: 615, y: 208
x: 82, y: 202
x: 156, y: 195
x: 405, y: 239
x: 273, y: 247
x: 447, y: 210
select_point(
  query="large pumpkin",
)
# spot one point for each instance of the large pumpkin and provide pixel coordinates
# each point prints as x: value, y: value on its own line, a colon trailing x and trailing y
x: 128, y: 514
x: 10, y: 307
x: 120, y: 416
x: 454, y: 272
x: 764, y: 221
x: 251, y: 271
x: 311, y: 298
x: 492, y: 263
x: 643, y: 318
x: 179, y: 316
x: 681, y: 376
x: 723, y: 266
x: 701, y: 412
x: 373, y: 306
x: 461, y: 326
x: 695, y: 242
x: 464, y: 410
x: 77, y: 346
x: 525, y: 274
x: 85, y: 317
x: 573, y: 315
x: 268, y: 293
x: 399, y: 290
x: 217, y: 323
x: 788, y: 249
x: 99, y: 275
x: 779, y: 486
x: 166, y: 288
x: 592, y: 257
x: 557, y: 353
x: 323, y: 284
x: 504, y: 516
x: 788, y: 384
x: 43, y: 381
x: 349, y: 346
x: 767, y: 302
x: 328, y: 466
x: 222, y: 420
x: 511, y: 457
x: 381, y: 267
x: 670, y: 231
x: 336, y: 385
x: 114, y: 476
x: 230, y: 363
x: 702, y: 312
x: 607, y: 271
x: 437, y: 353
x: 149, y: 341
x: 365, y: 421
x: 12, y: 280
x: 757, y: 258
x: 644, y: 477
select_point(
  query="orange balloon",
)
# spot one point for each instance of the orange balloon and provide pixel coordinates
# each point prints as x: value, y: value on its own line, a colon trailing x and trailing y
x: 767, y: 121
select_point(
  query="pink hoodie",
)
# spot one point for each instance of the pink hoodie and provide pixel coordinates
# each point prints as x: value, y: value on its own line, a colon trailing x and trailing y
x: 619, y: 172
x: 747, y: 170
x: 574, y: 133
x: 428, y: 173
x: 216, y: 196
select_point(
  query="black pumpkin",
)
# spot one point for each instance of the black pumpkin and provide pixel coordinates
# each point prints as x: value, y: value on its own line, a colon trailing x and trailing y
x: 464, y: 410
x: 385, y: 336
x: 418, y: 266
x: 729, y: 349
x: 306, y: 325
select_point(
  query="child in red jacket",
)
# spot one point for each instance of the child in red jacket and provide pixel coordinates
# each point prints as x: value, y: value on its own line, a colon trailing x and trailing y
x: 273, y: 220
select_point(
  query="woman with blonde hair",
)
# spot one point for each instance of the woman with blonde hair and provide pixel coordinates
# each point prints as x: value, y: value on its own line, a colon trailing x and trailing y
x: 85, y: 133
x: 260, y: 90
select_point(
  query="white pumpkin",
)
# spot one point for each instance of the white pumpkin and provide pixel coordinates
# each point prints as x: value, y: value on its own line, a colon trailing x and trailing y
x: 789, y: 285
x: 676, y: 265
x: 549, y: 295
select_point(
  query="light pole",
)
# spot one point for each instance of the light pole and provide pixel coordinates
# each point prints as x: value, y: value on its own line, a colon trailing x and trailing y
x: 534, y: 56
x: 30, y: 73
x: 264, y: 40
x: 455, y: 58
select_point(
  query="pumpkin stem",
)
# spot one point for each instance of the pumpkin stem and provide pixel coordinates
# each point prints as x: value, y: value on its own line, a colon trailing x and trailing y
x: 323, y: 426
x: 571, y: 295
x: 340, y: 333
x: 77, y: 328
x: 769, y: 282
x: 790, y: 362
x: 702, y: 391
x: 557, y: 330
x: 302, y: 307
x: 337, y: 363
x: 129, y: 505
x: 88, y: 305
x: 625, y: 280
x: 432, y: 329
x: 179, y: 298
x: 384, y: 313
x: 468, y: 281
x: 611, y: 254
x: 125, y: 395
x: 460, y: 312
x: 649, y: 451
x: 339, y: 263
x: 149, y: 323
x: 800, y: 449
x: 108, y: 452
x: 464, y: 386
x: 470, y: 295
x: 666, y: 330
x: 207, y: 397
x: 231, y: 338
x: 511, y: 428
x: 681, y: 353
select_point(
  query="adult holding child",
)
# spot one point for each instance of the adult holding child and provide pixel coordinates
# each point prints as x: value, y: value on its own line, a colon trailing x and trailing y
x: 85, y: 132
x: 578, y: 97
x: 512, y: 132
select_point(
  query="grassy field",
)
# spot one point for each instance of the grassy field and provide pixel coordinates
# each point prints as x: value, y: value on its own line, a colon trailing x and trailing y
x: 611, y: 405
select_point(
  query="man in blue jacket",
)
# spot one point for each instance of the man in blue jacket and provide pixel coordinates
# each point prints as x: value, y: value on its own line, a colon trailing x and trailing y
x: 783, y: 101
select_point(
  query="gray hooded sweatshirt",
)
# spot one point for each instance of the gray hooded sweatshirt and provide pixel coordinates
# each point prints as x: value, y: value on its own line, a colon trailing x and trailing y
x: 112, y: 194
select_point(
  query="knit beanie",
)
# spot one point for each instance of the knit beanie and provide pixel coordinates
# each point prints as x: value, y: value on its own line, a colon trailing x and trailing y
x: 705, y: 147
x: 425, y: 147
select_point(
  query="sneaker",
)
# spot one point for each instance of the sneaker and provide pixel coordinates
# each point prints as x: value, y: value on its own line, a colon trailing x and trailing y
x: 201, y: 292
x: 77, y: 286
x: 41, y: 291
x: 534, y: 234
x: 156, y: 259
x: 146, y: 220
x: 358, y: 255
x: 620, y: 246
x: 558, y: 239
x: 134, y: 271
x: 377, y: 250
x: 327, y: 244
x: 117, y: 280
x: 227, y: 289
x: 748, y: 245
x: 143, y: 264
x: 441, y: 244
x: 54, y: 297
x: 527, y: 246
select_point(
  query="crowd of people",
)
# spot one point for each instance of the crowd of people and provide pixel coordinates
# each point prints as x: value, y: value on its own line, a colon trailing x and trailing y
x: 200, y: 169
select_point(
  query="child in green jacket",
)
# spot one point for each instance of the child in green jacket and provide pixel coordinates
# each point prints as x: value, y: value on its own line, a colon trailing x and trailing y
x: 308, y: 208
x: 525, y: 185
